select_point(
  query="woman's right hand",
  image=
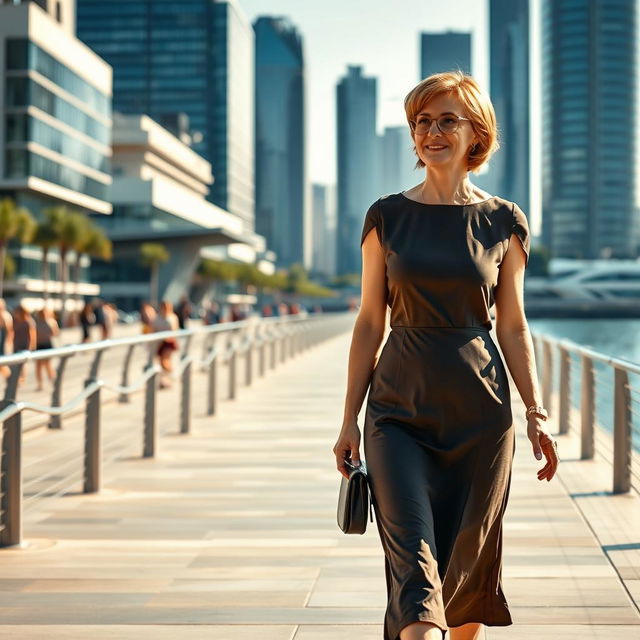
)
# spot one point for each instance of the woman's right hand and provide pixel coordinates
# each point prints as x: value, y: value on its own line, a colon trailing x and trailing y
x: 347, y: 447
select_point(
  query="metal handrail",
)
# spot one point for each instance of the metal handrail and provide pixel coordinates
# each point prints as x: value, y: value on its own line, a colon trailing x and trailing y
x: 591, y: 433
x: 292, y: 334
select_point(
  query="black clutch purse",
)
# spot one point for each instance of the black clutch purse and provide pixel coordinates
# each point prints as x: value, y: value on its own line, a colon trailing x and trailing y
x: 354, y: 500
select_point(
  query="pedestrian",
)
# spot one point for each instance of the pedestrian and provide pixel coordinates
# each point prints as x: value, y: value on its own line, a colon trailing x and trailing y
x: 46, y: 329
x: 166, y: 320
x: 211, y: 313
x: 183, y: 311
x: 438, y: 431
x: 87, y: 320
x: 24, y: 334
x: 6, y: 335
x: 147, y: 316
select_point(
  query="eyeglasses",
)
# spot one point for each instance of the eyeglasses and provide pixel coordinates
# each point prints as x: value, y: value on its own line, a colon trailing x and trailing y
x: 447, y: 124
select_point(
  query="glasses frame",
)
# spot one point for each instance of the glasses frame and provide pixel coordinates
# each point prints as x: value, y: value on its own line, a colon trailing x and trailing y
x: 414, y: 124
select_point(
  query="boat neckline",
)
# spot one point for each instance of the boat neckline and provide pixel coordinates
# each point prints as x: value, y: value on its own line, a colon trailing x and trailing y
x: 438, y: 204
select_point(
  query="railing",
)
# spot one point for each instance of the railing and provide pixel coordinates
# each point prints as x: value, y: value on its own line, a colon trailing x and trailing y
x: 272, y: 339
x: 604, y: 397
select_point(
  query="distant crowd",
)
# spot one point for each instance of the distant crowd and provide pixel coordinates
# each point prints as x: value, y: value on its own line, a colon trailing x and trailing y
x: 22, y: 330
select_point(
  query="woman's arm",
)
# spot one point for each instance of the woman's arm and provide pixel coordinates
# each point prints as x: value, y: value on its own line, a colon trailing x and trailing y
x: 367, y: 335
x: 516, y: 345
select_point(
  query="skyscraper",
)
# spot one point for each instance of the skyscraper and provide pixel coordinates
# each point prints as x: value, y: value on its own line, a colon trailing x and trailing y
x: 509, y: 90
x: 195, y: 57
x: 397, y: 160
x: 589, y: 125
x: 281, y: 214
x: 444, y: 52
x: 358, y: 158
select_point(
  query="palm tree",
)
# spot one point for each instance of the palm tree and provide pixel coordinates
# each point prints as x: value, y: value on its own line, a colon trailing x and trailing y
x: 15, y: 223
x: 152, y: 255
x: 94, y: 243
x: 46, y: 238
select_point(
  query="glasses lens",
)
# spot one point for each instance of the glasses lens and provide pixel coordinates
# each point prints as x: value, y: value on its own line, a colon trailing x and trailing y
x: 448, y: 124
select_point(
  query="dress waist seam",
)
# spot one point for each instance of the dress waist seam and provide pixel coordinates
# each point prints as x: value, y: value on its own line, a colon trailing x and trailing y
x: 451, y: 328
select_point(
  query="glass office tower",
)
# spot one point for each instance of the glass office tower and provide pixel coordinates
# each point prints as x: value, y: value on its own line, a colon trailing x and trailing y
x: 280, y: 139
x: 589, y: 127
x: 444, y: 52
x: 191, y: 56
x: 509, y: 90
x: 358, y: 163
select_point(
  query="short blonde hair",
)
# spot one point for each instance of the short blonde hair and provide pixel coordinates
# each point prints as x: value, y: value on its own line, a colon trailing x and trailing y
x: 476, y: 102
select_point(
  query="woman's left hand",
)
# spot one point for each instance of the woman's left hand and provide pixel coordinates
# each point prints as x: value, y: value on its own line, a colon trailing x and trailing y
x: 543, y: 443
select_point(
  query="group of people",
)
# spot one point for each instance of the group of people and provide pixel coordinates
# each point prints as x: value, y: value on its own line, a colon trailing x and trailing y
x: 21, y: 330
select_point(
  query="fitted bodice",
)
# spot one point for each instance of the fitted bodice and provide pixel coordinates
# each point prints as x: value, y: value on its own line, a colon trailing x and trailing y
x: 443, y: 261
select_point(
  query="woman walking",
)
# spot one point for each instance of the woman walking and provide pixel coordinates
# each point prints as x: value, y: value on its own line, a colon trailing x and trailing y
x: 438, y: 432
x: 166, y: 320
x: 46, y: 329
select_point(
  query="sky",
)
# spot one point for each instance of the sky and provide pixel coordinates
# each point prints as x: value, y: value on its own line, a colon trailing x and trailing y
x: 380, y: 35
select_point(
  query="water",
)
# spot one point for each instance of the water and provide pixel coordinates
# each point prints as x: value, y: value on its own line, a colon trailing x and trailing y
x: 613, y: 337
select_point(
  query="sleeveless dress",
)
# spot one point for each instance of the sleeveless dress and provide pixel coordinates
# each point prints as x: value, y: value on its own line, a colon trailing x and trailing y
x: 438, y: 433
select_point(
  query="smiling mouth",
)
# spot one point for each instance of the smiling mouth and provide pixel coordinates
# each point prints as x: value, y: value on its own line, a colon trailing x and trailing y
x: 435, y: 148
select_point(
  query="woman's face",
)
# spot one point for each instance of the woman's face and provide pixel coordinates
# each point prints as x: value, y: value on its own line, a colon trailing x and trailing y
x: 457, y: 144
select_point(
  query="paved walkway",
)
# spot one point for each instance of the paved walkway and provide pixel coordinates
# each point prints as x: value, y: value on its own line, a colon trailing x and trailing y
x: 230, y: 533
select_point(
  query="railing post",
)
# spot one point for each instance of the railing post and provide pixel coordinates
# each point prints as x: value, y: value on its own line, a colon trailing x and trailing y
x: 587, y: 409
x: 272, y: 346
x: 55, y: 421
x: 212, y: 375
x: 92, y: 437
x: 283, y: 343
x: 150, y: 436
x: 185, y: 403
x: 248, y: 371
x: 11, y: 480
x: 564, y: 413
x: 261, y: 352
x: 231, y: 359
x: 124, y: 397
x: 621, y: 432
x: 547, y: 376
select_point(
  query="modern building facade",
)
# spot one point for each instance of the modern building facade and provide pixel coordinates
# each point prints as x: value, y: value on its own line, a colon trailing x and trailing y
x: 191, y: 56
x: 358, y: 163
x: 159, y: 195
x: 509, y: 91
x: 398, y: 161
x: 444, y: 52
x: 324, y: 230
x: 55, y: 128
x: 280, y: 168
x: 590, y: 128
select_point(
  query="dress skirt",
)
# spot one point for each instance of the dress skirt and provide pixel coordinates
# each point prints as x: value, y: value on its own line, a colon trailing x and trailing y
x: 439, y: 445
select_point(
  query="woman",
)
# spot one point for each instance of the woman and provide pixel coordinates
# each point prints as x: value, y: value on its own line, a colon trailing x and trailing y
x: 166, y: 320
x: 438, y: 432
x: 24, y: 334
x: 87, y: 318
x: 6, y: 335
x: 46, y: 329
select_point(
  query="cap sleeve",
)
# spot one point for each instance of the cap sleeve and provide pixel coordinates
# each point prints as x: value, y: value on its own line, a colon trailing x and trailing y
x: 371, y: 220
x: 520, y: 227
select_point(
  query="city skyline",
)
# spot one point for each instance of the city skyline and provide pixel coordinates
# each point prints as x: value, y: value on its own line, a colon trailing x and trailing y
x: 336, y: 36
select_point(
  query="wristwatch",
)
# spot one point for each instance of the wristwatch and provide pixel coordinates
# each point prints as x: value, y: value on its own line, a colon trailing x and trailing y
x: 538, y: 411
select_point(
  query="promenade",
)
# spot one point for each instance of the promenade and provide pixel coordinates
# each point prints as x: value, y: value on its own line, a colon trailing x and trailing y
x: 230, y: 532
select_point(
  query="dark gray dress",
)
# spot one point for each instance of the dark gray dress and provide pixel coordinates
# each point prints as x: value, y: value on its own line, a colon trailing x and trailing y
x: 438, y: 433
